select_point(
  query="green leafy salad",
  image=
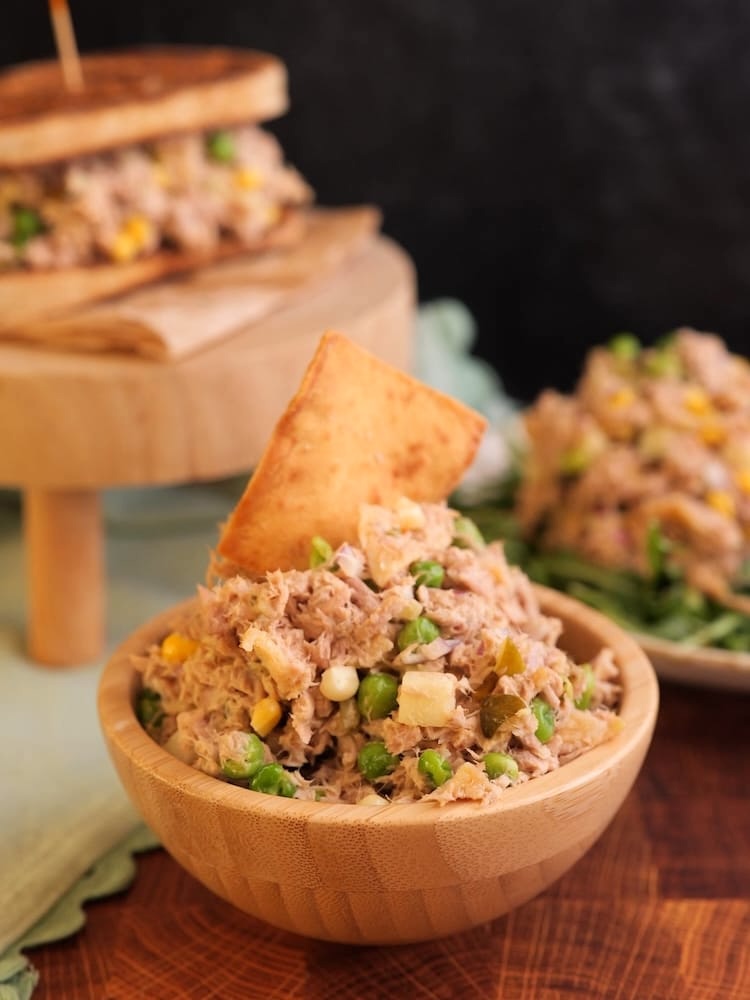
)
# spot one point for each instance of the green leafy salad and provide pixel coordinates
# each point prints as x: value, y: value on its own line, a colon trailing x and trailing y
x: 661, y: 604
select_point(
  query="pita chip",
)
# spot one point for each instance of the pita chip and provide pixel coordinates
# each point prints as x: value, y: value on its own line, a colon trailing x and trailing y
x: 357, y: 431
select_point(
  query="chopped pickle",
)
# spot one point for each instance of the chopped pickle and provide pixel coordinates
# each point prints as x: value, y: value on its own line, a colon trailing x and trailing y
x: 509, y: 660
x: 496, y: 709
x: 148, y: 708
x: 486, y: 687
x: 466, y: 535
x: 574, y: 461
x: 589, y: 683
x: 321, y: 552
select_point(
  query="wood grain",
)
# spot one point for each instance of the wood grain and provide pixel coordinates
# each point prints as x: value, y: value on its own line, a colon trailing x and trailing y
x: 79, y: 421
x: 64, y: 549
x: 658, y: 908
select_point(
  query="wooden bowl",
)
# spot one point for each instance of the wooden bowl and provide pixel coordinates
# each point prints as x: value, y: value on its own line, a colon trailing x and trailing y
x: 382, y: 874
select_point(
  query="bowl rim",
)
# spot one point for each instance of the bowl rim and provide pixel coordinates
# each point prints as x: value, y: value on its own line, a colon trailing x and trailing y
x: 122, y: 731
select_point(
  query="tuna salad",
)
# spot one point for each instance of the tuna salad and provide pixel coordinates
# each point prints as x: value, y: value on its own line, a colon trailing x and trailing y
x: 411, y: 663
x: 185, y: 192
x: 650, y: 456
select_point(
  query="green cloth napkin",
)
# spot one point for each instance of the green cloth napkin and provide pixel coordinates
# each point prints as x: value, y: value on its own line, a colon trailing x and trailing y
x: 67, y: 830
x: 62, y: 804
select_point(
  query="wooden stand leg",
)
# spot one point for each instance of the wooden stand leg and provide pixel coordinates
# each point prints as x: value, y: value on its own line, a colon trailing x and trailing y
x: 65, y: 572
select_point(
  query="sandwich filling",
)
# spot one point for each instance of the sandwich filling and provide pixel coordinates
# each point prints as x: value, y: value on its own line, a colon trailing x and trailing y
x: 185, y: 192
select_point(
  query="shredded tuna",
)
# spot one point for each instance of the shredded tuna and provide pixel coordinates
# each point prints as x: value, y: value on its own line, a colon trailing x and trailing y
x: 255, y: 651
x: 659, y: 436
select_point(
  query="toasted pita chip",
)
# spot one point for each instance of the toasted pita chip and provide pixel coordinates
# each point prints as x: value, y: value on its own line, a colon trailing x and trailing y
x: 357, y: 431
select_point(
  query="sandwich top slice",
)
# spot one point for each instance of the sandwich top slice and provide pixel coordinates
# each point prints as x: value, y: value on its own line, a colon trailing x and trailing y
x: 160, y: 156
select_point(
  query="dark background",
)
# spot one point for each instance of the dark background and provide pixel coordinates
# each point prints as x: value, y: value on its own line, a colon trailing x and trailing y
x: 568, y: 168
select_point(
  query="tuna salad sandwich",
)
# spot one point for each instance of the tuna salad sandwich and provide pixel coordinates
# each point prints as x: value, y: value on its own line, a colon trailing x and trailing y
x: 357, y: 640
x: 157, y: 165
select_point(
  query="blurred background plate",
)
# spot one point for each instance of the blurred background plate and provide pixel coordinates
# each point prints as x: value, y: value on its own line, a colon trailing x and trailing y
x: 715, y: 668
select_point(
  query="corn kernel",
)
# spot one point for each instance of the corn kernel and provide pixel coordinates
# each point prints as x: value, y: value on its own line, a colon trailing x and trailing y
x: 696, y: 401
x: 743, y: 481
x: 139, y: 228
x: 712, y: 433
x: 372, y: 799
x: 124, y: 247
x: 266, y: 715
x: 339, y: 683
x: 248, y: 178
x: 721, y: 501
x: 176, y: 647
x: 622, y: 397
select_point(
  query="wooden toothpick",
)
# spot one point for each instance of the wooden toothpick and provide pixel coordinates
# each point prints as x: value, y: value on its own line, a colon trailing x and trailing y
x: 67, y: 49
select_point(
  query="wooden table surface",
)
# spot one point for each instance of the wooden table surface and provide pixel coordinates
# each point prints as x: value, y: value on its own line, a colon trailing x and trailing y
x: 658, y: 909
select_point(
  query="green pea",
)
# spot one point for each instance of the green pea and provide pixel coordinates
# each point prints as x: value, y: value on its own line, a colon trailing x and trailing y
x: 497, y: 764
x: 251, y: 762
x: 436, y: 768
x: 320, y: 552
x: 663, y: 361
x: 374, y: 761
x: 421, y: 630
x: 589, y: 683
x: 545, y: 718
x: 466, y: 535
x: 26, y: 223
x: 377, y: 696
x: 625, y: 346
x: 148, y: 708
x: 427, y: 573
x: 220, y: 147
x: 272, y: 779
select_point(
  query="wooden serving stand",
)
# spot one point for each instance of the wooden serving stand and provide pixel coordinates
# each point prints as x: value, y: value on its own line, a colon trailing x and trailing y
x: 73, y: 424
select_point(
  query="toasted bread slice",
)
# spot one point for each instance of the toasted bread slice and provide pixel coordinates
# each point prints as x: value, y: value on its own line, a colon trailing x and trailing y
x: 358, y: 431
x: 29, y: 296
x: 131, y: 96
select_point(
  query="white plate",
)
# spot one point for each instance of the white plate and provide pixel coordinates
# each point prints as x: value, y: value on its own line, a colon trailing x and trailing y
x: 715, y: 668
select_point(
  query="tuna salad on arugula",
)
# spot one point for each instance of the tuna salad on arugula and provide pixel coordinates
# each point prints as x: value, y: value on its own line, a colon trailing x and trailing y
x: 634, y: 491
x: 411, y: 662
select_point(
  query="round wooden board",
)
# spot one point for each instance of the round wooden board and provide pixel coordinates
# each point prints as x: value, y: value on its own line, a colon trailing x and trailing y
x: 72, y: 421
